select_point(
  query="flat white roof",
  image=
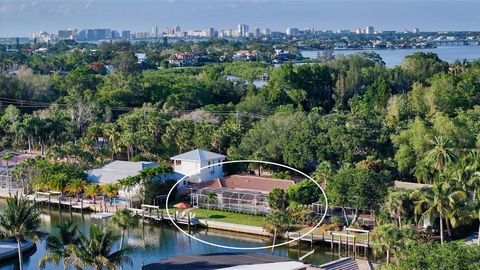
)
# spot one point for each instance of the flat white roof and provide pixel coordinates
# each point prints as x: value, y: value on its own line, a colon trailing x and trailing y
x: 117, y: 170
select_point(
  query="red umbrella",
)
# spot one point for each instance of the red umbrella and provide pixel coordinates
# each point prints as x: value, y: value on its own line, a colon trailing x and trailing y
x: 182, y: 205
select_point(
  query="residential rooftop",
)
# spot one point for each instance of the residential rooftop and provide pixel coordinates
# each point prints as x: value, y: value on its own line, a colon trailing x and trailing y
x: 198, y: 155
x: 245, y: 182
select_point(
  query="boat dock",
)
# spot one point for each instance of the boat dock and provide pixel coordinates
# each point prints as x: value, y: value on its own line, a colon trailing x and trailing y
x: 348, y: 240
x: 154, y: 213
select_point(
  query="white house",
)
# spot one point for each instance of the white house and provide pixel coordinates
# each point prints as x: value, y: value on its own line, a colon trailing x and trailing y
x: 189, y: 164
x: 116, y: 170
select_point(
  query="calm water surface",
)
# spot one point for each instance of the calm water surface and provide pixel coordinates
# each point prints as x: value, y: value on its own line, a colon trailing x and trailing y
x: 395, y: 57
x: 152, y: 243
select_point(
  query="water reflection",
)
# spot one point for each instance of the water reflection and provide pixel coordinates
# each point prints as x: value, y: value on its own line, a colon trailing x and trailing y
x: 153, y: 242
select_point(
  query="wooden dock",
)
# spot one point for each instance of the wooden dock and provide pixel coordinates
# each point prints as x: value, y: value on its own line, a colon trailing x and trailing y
x: 154, y: 213
x: 344, y: 240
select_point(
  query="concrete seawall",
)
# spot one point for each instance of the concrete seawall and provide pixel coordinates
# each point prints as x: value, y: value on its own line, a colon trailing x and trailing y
x: 234, y: 227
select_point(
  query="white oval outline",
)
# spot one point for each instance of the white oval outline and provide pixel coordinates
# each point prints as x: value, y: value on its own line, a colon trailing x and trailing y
x: 247, y: 161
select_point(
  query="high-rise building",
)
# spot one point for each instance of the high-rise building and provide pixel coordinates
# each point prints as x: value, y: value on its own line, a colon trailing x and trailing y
x: 359, y: 31
x: 266, y: 31
x: 154, y: 33
x: 67, y: 34
x: 126, y: 34
x: 209, y: 32
x: 243, y: 30
x: 369, y: 30
x: 291, y: 31
x: 177, y: 30
x: 115, y: 34
x: 257, y: 32
x: 415, y: 30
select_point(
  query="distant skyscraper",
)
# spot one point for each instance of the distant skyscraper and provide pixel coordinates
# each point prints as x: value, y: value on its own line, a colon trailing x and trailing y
x: 415, y: 30
x: 177, y: 30
x: 369, y: 30
x: 115, y: 35
x: 266, y: 31
x: 243, y: 30
x: 155, y: 31
x: 291, y: 31
x: 257, y: 32
x: 126, y: 34
x: 67, y: 34
x: 209, y: 32
x: 358, y: 31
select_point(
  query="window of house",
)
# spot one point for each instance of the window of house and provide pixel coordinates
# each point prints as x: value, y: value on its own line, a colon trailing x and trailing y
x: 178, y: 162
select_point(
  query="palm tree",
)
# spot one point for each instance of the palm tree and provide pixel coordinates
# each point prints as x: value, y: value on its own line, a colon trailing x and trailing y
x: 76, y: 186
x: 20, y: 220
x: 7, y: 156
x: 389, y: 239
x: 442, y: 153
x: 127, y: 184
x: 277, y: 223
x: 210, y: 196
x: 475, y: 213
x: 323, y: 172
x: 125, y: 219
x: 92, y: 191
x: 442, y: 199
x: 396, y: 205
x: 57, y: 247
x: 95, y: 250
x: 110, y: 190
x: 278, y: 199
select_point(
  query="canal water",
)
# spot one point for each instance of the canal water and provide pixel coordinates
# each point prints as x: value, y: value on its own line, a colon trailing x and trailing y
x: 153, y: 242
x: 394, y: 57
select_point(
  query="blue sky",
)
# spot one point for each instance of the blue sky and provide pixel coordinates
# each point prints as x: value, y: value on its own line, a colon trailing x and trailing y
x: 20, y: 17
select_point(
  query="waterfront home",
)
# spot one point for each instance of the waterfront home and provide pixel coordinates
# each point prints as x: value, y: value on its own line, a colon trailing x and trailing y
x: 116, y: 170
x: 245, y: 193
x: 189, y: 164
x: 183, y: 59
x: 427, y: 221
x: 246, y: 55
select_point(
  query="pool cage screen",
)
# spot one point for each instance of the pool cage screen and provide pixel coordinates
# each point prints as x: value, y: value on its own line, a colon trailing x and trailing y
x: 231, y: 200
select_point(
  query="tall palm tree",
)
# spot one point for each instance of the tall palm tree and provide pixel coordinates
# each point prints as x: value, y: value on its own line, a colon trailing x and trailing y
x: 127, y: 184
x: 475, y: 212
x: 76, y: 186
x: 92, y: 191
x: 110, y: 190
x: 442, y: 200
x: 7, y: 156
x: 210, y: 196
x: 125, y: 220
x: 441, y: 154
x: 95, y: 250
x: 397, y: 205
x: 21, y: 221
x: 57, y: 246
x: 323, y: 172
x: 389, y: 239
x: 277, y: 223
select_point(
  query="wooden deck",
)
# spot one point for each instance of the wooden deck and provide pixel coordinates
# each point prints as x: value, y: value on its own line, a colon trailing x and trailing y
x: 159, y: 216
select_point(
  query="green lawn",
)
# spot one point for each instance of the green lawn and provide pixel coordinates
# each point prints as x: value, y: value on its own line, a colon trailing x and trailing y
x: 230, y: 217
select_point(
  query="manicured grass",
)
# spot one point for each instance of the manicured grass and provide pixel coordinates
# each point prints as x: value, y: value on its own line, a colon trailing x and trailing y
x: 230, y: 217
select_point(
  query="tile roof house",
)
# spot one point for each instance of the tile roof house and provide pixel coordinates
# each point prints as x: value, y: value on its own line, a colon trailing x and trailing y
x: 245, y: 183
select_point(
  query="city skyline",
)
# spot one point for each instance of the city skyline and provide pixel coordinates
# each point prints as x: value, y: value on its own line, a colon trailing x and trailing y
x: 20, y: 18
